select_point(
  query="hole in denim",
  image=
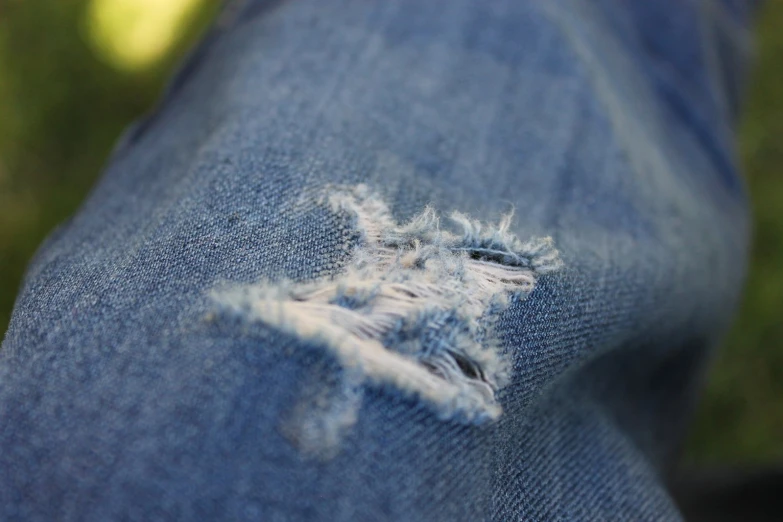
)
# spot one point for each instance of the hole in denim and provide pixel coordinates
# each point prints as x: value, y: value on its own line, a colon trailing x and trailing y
x: 414, y: 308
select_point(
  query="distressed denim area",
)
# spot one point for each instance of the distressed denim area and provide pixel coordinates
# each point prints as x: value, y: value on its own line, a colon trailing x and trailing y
x: 298, y: 291
x: 415, y: 309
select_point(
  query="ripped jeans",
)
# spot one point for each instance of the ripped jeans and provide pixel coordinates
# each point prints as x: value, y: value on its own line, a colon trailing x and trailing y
x: 403, y: 260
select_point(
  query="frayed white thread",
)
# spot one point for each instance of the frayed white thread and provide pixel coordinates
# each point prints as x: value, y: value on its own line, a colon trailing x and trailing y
x: 415, y: 306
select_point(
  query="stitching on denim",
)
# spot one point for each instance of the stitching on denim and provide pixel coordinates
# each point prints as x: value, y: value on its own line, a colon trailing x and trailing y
x: 415, y: 308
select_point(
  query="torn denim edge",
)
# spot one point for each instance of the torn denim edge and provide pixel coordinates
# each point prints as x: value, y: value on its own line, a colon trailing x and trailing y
x: 414, y: 309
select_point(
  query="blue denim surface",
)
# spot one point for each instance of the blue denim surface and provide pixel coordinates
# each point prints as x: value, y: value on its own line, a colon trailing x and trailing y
x: 606, y: 125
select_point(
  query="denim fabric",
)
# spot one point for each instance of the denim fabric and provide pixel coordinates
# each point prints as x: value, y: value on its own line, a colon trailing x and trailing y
x: 128, y: 393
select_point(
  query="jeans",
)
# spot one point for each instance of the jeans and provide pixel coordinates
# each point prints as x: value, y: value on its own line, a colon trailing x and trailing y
x: 392, y: 260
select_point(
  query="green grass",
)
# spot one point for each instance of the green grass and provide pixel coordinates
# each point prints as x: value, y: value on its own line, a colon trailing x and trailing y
x: 741, y: 415
x: 62, y: 110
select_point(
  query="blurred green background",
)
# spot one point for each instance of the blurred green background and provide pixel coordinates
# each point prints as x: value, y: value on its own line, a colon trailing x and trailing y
x: 73, y: 73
